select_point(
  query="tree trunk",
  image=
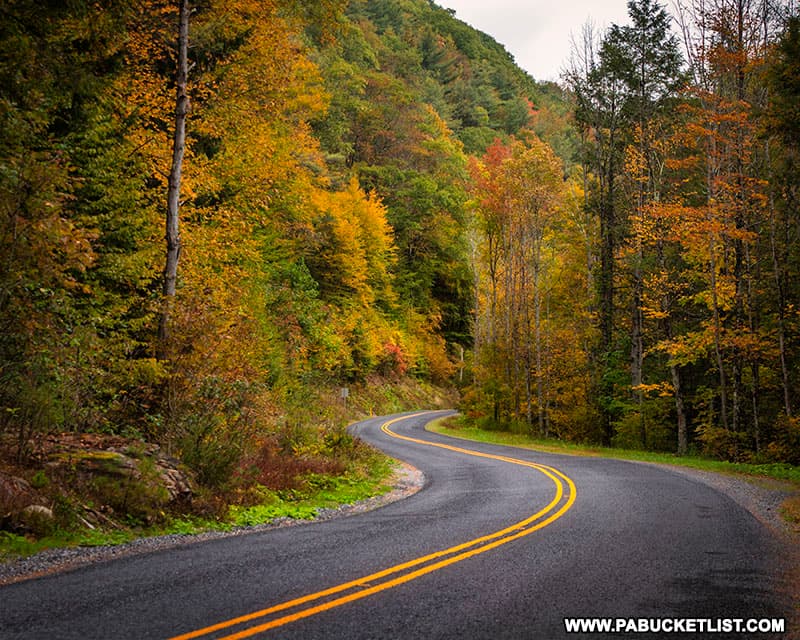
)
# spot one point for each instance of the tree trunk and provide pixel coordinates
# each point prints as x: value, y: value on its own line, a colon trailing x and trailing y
x: 606, y: 286
x: 540, y: 404
x: 779, y: 278
x: 723, y: 390
x: 754, y: 393
x: 717, y: 321
x: 548, y: 359
x: 173, y: 238
x: 679, y: 409
x: 526, y: 323
x: 637, y: 345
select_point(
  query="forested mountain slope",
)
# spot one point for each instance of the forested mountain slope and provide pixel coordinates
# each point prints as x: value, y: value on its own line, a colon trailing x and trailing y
x: 322, y: 217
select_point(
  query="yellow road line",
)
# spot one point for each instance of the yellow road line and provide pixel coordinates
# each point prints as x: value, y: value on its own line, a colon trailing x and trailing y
x: 464, y: 550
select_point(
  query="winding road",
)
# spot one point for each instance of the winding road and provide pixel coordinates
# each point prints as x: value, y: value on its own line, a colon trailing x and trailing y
x: 500, y: 543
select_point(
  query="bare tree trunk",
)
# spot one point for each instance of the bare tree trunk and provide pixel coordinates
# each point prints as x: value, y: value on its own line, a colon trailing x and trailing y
x: 679, y: 409
x: 540, y: 403
x: 173, y: 238
x: 778, y: 275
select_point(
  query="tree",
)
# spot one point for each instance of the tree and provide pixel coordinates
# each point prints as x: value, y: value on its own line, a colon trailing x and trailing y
x: 518, y: 194
x: 622, y: 86
x: 646, y: 58
x: 55, y: 62
x: 173, y: 238
x: 598, y: 114
x: 356, y: 251
x: 726, y: 44
x: 783, y: 118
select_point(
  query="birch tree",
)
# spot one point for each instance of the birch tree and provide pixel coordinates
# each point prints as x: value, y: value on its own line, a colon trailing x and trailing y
x: 173, y: 238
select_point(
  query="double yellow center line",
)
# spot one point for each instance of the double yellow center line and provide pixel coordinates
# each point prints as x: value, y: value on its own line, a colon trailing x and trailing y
x: 333, y: 597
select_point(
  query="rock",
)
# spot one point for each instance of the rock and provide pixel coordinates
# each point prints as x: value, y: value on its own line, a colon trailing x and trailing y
x: 137, y: 462
x: 169, y: 471
x: 21, y: 507
x: 35, y: 518
x: 176, y: 482
x: 99, y: 462
x: 15, y: 493
x: 37, y: 511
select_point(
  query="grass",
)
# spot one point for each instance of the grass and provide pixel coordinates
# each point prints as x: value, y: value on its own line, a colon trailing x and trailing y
x: 323, y: 492
x: 319, y: 491
x: 452, y: 427
x: 790, y: 509
x: 16, y: 546
x: 13, y: 546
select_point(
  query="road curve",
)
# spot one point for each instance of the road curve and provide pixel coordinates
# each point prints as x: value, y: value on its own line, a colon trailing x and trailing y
x: 500, y: 543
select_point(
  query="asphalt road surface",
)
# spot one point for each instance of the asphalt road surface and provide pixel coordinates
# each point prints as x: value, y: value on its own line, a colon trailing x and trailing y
x: 500, y: 543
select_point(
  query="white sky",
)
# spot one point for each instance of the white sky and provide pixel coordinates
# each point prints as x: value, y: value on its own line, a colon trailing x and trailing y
x: 537, y: 32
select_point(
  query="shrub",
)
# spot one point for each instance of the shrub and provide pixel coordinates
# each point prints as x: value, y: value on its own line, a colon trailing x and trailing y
x: 280, y: 471
x: 210, y: 448
x: 724, y: 444
x: 393, y: 361
x: 785, y: 445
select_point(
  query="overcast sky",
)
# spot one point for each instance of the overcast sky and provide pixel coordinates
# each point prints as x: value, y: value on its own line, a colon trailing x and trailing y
x: 537, y: 32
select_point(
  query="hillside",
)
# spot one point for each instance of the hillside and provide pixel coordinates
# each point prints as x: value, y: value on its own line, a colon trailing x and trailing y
x: 414, y: 91
x: 323, y: 240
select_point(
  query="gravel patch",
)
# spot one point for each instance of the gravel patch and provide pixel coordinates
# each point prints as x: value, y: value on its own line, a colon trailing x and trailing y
x: 762, y: 497
x: 406, y: 481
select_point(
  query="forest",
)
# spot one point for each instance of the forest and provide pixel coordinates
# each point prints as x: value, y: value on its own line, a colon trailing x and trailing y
x: 647, y: 300
x: 217, y: 214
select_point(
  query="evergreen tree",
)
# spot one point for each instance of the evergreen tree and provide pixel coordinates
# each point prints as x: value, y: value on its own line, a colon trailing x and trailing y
x: 645, y: 56
x: 620, y: 88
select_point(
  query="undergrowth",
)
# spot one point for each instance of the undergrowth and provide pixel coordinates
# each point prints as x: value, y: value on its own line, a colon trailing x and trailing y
x: 303, y: 464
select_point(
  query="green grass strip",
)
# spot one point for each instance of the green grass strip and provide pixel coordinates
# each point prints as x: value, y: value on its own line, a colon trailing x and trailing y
x: 777, y: 471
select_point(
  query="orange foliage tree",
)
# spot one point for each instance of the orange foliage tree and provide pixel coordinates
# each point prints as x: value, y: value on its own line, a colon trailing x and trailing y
x: 524, y: 224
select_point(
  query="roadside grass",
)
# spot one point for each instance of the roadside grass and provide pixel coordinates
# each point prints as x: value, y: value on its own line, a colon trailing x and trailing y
x: 368, y: 479
x: 451, y: 426
x: 322, y: 492
x: 790, y: 511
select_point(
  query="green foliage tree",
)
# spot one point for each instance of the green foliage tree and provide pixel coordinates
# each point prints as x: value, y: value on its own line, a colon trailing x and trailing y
x: 784, y: 133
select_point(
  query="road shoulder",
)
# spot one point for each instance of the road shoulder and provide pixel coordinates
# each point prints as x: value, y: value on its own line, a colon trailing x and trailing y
x: 405, y: 481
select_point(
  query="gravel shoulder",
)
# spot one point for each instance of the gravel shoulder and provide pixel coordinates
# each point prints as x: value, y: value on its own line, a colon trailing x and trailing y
x: 406, y: 481
x: 762, y: 497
